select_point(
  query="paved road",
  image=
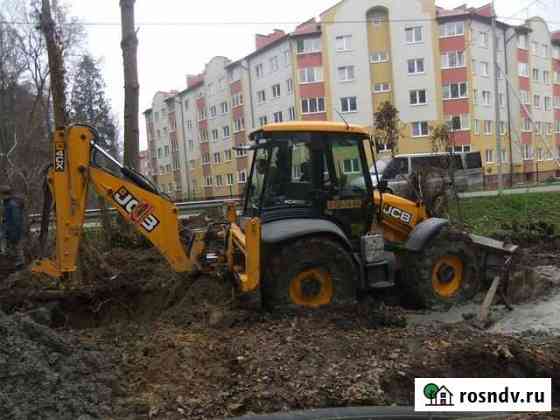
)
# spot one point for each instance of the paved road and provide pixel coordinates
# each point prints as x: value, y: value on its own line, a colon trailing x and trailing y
x: 541, y: 189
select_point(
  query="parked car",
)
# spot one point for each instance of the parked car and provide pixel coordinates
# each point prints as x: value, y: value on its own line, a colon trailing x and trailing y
x: 467, y: 166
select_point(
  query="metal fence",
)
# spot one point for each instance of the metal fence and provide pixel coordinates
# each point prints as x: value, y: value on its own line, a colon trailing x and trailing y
x: 186, y: 209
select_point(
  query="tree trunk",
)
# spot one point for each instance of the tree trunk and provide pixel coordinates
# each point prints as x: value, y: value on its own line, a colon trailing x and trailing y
x: 129, y: 45
x: 56, y: 64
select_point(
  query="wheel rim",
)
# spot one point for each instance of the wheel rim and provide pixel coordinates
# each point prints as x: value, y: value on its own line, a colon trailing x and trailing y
x: 447, y: 275
x: 311, y: 288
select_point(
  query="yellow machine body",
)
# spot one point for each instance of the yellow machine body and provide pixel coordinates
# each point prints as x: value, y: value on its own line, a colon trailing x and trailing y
x: 153, y: 215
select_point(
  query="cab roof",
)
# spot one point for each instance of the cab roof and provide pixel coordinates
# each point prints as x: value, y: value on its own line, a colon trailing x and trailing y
x: 314, y: 126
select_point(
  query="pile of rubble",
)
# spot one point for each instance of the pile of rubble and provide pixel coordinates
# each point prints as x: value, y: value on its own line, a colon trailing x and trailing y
x: 50, y: 376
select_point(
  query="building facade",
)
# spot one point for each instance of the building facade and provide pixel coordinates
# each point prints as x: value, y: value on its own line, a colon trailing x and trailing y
x: 434, y: 65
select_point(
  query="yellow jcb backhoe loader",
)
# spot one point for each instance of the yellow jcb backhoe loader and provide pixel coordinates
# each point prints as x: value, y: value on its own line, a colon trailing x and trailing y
x: 312, y: 230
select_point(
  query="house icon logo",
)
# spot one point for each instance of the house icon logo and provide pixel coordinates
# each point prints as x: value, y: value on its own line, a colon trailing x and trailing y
x: 438, y: 396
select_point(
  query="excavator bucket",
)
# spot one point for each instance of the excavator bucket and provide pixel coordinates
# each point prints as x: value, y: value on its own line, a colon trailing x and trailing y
x: 492, y: 245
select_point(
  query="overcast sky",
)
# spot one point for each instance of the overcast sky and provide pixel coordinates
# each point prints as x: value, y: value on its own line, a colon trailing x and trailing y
x: 167, y: 53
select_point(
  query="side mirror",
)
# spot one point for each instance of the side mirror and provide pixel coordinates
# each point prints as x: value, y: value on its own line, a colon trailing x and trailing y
x: 383, y: 185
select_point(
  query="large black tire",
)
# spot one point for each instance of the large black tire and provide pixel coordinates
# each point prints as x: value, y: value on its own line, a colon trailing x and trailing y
x: 446, y: 272
x: 309, y: 273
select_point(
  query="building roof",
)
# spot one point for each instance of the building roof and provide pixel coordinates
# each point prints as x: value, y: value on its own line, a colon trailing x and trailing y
x: 315, y: 126
x: 483, y: 13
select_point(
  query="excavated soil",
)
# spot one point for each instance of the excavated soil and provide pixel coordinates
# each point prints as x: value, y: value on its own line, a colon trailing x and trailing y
x: 130, y: 340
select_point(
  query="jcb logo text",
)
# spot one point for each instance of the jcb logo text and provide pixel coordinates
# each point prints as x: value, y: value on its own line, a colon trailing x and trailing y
x: 397, y: 213
x: 140, y: 213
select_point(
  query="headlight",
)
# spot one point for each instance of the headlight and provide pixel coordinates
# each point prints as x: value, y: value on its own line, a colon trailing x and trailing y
x: 373, y: 246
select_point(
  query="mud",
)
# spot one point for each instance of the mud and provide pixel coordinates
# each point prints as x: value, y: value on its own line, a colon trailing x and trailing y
x: 151, y: 344
x: 49, y: 375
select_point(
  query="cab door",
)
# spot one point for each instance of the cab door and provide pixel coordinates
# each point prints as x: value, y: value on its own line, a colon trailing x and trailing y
x: 347, y: 185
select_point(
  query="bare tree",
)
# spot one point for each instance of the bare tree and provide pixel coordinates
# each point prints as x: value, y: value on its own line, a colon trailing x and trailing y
x: 56, y: 64
x: 443, y: 142
x: 387, y: 126
x: 129, y: 45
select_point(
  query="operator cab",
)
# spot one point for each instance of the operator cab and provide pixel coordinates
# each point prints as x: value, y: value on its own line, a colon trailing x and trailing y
x: 311, y: 170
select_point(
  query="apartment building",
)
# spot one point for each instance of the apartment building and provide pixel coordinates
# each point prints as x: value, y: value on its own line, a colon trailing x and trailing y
x: 435, y: 65
x: 144, y: 163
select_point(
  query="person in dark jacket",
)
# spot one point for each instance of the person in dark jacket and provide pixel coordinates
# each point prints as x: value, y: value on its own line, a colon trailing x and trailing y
x: 13, y: 209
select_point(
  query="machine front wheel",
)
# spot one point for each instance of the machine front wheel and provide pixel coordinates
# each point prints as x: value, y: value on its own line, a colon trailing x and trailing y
x: 445, y: 272
x: 309, y: 273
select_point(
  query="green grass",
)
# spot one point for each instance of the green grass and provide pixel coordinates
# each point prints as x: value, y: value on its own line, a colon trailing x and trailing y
x: 486, y: 215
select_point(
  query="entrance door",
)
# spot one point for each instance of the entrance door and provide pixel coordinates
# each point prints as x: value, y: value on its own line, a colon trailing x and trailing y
x: 349, y: 198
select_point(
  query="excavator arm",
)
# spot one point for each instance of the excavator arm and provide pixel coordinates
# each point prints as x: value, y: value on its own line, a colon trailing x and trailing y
x: 152, y: 214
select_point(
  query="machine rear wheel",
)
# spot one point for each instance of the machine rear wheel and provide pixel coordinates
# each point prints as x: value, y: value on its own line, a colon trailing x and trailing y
x: 309, y: 273
x: 446, y: 272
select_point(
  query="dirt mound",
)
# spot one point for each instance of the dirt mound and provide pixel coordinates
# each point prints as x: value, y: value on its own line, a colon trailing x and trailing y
x: 206, y: 302
x: 261, y: 362
x: 47, y: 376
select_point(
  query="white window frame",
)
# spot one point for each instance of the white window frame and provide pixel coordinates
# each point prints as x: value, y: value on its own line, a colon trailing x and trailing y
x: 476, y: 126
x: 422, y: 129
x: 242, y: 176
x: 464, y: 120
x: 484, y: 39
x: 343, y: 43
x: 310, y: 75
x: 416, y: 37
x: 317, y: 100
x: 537, y: 101
x: 310, y: 45
x: 484, y: 69
x: 414, y: 97
x: 546, y: 77
x: 526, y: 125
x: 276, y: 91
x: 385, y: 87
x: 486, y: 98
x: 349, y: 104
x: 527, y: 152
x: 259, y: 71
x: 278, y: 116
x: 488, y: 127
x: 457, y: 56
x: 346, y: 73
x: 354, y: 166
x: 379, y: 57
x: 291, y: 113
x: 447, y: 91
x: 525, y: 98
x: 523, y: 69
x: 263, y: 120
x: 451, y: 29
x: 261, y: 96
x: 416, y: 66
x: 238, y: 125
x: 489, y: 156
x: 226, y: 131
x: 290, y: 86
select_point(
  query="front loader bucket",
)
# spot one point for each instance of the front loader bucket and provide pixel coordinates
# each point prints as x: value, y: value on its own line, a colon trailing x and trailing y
x: 493, y: 246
